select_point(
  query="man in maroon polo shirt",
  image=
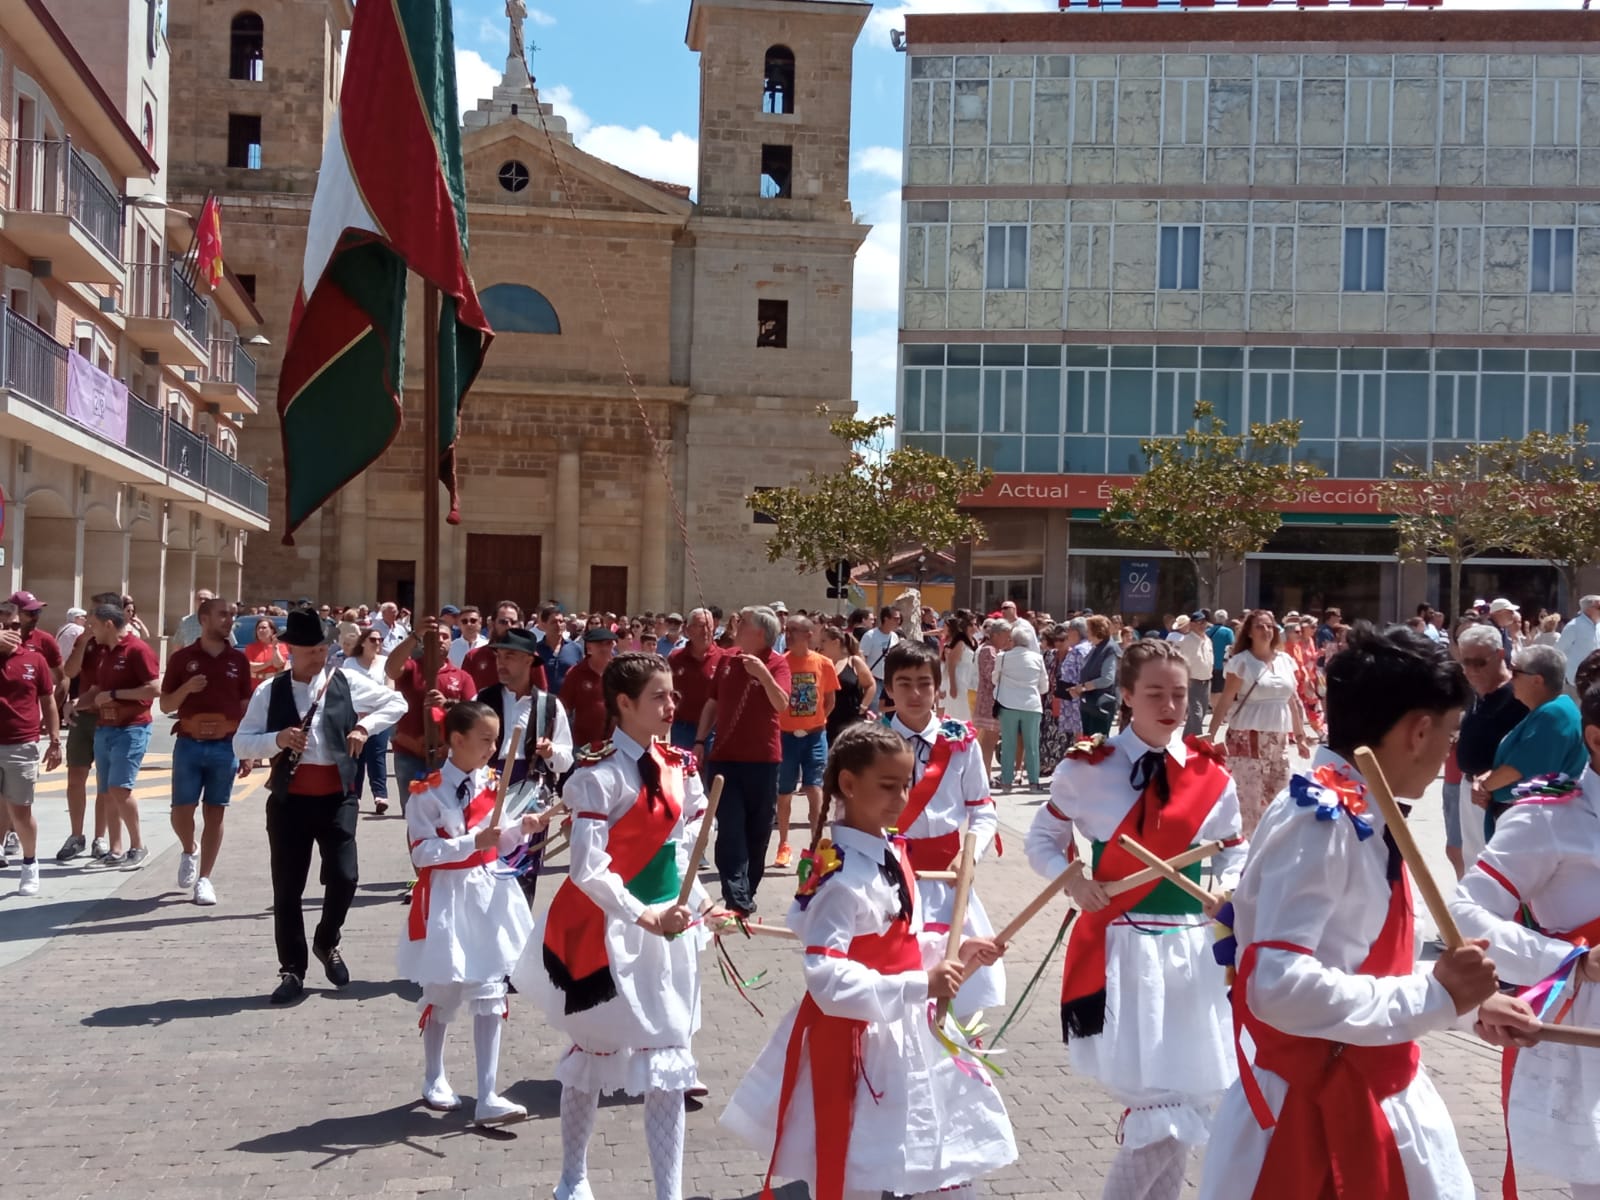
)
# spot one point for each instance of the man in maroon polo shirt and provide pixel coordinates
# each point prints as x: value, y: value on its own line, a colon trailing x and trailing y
x: 126, y: 687
x: 694, y: 670
x: 27, y: 704
x: 750, y: 690
x: 582, y: 693
x: 405, y: 671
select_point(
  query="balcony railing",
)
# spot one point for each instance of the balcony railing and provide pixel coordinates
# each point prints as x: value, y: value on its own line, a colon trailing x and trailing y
x: 186, y: 453
x: 189, y: 308
x: 161, y: 291
x: 231, y: 363
x: 49, y: 176
x: 147, y: 431
x: 35, y: 363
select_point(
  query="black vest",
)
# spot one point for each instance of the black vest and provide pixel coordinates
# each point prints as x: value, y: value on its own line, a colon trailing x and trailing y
x: 494, y: 696
x: 1104, y: 701
x: 337, y: 715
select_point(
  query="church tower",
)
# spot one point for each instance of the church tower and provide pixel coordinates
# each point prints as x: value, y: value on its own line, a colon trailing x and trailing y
x: 254, y: 87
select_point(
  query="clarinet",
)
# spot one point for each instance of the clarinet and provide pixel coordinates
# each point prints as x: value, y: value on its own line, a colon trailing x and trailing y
x: 284, y: 765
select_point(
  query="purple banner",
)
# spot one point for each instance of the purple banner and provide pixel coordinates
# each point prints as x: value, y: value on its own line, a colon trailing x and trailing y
x: 96, y: 400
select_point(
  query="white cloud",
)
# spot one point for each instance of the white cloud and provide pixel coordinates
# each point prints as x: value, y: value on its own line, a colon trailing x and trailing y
x: 875, y: 348
x: 893, y: 16
x: 881, y: 160
x: 539, y: 17
x: 475, y: 79
x: 877, y: 288
x: 644, y: 150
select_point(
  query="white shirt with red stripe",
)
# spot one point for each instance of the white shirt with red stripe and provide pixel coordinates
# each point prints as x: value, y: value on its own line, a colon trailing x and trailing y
x: 1319, y: 886
x: 1545, y: 856
x: 961, y: 804
x: 1167, y: 1048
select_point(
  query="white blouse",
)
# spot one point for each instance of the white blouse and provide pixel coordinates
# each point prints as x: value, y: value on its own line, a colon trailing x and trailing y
x: 1020, y: 678
x: 1267, y: 691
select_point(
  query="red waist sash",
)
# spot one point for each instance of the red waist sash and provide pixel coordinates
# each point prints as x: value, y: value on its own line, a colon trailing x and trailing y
x: 481, y: 806
x: 1332, y: 1137
x: 833, y: 1047
x: 315, y: 779
x: 934, y: 853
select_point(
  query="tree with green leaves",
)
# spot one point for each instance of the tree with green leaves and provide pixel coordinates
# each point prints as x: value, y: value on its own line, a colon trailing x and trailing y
x: 1211, y: 496
x: 1551, y: 488
x: 880, y: 500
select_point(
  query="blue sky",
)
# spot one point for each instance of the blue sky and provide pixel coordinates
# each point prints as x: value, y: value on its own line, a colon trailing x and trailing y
x: 619, y: 71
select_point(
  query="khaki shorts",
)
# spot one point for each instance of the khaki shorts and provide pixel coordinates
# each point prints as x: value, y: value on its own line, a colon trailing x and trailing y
x: 19, y: 771
x: 80, y: 738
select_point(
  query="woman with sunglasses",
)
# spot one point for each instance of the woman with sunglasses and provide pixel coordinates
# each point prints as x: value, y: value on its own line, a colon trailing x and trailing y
x: 365, y: 657
x: 131, y: 610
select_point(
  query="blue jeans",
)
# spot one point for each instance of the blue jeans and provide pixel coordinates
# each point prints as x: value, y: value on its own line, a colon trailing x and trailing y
x: 118, y: 754
x: 374, y: 763
x: 683, y: 734
x: 745, y: 816
x: 202, y: 771
x: 1452, y: 815
x: 406, y: 768
x: 804, y: 757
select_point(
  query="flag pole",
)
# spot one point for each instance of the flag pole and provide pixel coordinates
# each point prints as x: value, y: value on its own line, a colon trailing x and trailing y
x: 429, y: 605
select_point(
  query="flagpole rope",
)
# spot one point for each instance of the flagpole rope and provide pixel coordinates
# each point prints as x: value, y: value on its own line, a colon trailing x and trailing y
x: 656, y: 447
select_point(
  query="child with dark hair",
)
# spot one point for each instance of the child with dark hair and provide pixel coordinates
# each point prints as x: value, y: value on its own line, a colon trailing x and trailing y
x: 1144, y: 1007
x: 615, y: 965
x: 1535, y: 895
x: 880, y: 1105
x: 467, y: 924
x: 1335, y: 1101
x: 949, y: 798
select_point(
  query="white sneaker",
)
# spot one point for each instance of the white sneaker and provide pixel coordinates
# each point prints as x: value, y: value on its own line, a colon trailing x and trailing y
x: 100, y: 848
x: 497, y: 1110
x: 13, y: 845
x: 30, y: 880
x: 204, y: 893
x: 440, y: 1097
x: 188, y: 870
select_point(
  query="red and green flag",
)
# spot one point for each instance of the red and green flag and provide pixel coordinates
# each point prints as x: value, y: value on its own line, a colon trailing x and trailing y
x: 390, y: 197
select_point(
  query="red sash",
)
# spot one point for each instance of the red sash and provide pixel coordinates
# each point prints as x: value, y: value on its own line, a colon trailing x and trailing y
x: 1332, y: 1138
x: 481, y: 806
x: 1584, y: 935
x: 575, y: 928
x: 315, y: 779
x: 1167, y: 832
x: 833, y: 1047
x: 922, y: 792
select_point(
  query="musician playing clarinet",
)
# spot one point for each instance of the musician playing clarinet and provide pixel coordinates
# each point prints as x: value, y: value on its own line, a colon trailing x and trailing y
x: 312, y: 723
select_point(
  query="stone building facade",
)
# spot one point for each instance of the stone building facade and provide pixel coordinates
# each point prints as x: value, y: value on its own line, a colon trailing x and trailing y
x: 1386, y: 225
x: 563, y: 494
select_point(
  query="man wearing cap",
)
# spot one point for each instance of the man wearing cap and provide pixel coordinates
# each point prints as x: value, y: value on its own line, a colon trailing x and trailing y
x: 1506, y: 616
x: 126, y: 685
x: 29, y: 608
x: 27, y: 706
x: 582, y: 693
x: 207, y: 686
x: 189, y: 628
x: 81, y: 669
x: 782, y: 612
x: 405, y: 670
x: 306, y: 721
x: 1195, y: 646
x: 449, y: 615
x: 672, y: 637
x: 68, y: 635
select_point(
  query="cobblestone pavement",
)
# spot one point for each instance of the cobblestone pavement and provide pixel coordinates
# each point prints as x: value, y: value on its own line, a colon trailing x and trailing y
x: 142, y: 1058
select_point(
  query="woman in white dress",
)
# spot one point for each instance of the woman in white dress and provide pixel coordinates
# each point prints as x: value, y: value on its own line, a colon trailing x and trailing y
x: 960, y: 667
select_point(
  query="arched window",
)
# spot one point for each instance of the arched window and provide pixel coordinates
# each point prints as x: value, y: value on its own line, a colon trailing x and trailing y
x: 779, y: 94
x: 247, y: 48
x: 516, y: 308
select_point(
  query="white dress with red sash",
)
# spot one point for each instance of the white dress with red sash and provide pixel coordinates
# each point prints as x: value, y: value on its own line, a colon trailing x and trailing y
x: 921, y: 1121
x: 466, y: 925
x: 949, y: 797
x: 1544, y: 860
x: 1166, y: 1050
x: 1315, y: 899
x: 638, y: 1039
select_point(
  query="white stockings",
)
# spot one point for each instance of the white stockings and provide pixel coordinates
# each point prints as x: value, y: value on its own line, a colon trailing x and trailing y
x: 434, y: 1085
x: 486, y: 1044
x: 1153, y: 1172
x: 663, y: 1129
x: 578, y: 1112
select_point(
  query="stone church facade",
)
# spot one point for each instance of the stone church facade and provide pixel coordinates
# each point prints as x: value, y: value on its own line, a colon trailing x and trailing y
x: 730, y: 310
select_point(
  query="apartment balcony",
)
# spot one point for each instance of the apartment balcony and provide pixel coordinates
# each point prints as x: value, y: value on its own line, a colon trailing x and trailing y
x: 90, y: 421
x: 231, y: 382
x: 166, y: 314
x: 59, y: 210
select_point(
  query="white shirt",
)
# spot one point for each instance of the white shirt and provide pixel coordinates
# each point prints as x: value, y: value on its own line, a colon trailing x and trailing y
x: 379, y: 708
x: 393, y: 635
x: 962, y: 800
x: 69, y: 634
x: 875, y: 647
x: 1268, y: 691
x: 460, y: 648
x: 1579, y: 639
x: 514, y: 711
x: 375, y: 672
x: 1195, y: 647
x: 1019, y: 679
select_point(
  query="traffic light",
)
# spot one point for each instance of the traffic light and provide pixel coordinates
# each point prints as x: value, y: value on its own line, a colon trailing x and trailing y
x: 838, y: 575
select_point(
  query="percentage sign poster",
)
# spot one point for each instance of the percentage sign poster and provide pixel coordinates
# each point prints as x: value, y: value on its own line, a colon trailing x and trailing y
x: 1141, y: 580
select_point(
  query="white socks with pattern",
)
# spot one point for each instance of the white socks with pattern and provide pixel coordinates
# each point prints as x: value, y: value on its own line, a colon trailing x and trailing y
x: 578, y: 1113
x: 663, y: 1131
x: 1153, y: 1172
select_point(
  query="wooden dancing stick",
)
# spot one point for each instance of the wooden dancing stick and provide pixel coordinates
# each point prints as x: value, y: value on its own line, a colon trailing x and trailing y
x: 1571, y: 1035
x: 1036, y: 905
x: 938, y: 876
x: 505, y: 778
x: 1372, y: 773
x: 698, y: 854
x: 1171, y: 874
x: 958, y: 907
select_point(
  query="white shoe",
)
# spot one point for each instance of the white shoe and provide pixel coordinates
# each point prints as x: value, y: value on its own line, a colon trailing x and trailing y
x: 204, y: 893
x: 100, y: 848
x: 497, y: 1110
x: 13, y: 845
x: 30, y: 880
x: 188, y: 870
x: 574, y: 1191
x: 441, y: 1098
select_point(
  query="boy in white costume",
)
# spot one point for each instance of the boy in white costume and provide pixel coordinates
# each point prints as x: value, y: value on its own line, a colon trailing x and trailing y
x: 1335, y: 1103
x: 949, y: 797
x: 467, y: 924
x: 1144, y: 1004
x: 853, y: 1093
x: 1535, y: 895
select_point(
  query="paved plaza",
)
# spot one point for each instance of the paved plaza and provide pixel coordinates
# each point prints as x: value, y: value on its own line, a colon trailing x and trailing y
x: 142, y: 1059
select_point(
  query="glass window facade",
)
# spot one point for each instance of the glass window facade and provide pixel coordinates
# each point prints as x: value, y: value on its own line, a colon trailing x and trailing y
x: 1084, y: 409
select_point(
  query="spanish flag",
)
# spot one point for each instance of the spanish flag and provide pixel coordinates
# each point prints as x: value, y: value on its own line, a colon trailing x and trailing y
x: 208, y: 242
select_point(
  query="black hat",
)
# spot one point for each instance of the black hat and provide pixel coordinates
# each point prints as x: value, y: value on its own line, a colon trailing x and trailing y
x: 520, y: 640
x: 304, y: 628
x: 598, y: 634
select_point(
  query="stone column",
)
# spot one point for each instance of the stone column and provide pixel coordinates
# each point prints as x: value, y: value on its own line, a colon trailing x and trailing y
x: 106, y: 565
x: 353, y: 560
x: 77, y: 570
x: 567, y: 531
x: 16, y: 526
x: 1053, y: 597
x: 655, y: 526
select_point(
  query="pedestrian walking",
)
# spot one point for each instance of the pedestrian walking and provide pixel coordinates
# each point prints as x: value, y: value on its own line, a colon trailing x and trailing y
x: 27, y: 709
x: 126, y: 685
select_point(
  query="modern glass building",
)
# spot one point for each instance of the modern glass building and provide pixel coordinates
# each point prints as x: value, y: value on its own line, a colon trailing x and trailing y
x: 1383, y: 224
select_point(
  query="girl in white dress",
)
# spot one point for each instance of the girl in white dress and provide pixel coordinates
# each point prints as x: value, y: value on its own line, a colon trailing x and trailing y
x: 615, y: 960
x: 467, y: 924
x: 853, y: 1094
x: 1144, y: 1004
